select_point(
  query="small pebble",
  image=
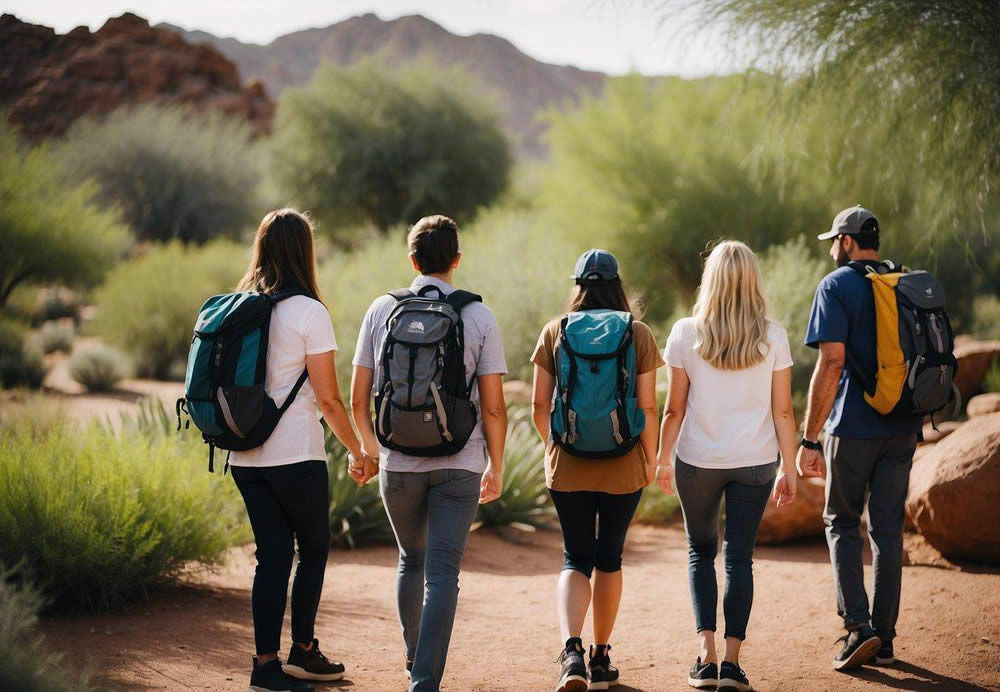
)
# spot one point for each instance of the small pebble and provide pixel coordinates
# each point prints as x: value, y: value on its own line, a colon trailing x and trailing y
x: 984, y: 640
x: 181, y: 647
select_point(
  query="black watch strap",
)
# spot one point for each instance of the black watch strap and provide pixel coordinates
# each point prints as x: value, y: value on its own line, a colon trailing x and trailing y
x: 810, y: 444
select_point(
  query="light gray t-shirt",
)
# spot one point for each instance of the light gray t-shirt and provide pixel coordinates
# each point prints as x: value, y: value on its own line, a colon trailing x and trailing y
x: 483, y: 356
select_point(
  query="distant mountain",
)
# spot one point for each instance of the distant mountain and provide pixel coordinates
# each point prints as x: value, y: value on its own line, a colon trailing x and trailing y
x: 522, y: 85
x: 48, y: 80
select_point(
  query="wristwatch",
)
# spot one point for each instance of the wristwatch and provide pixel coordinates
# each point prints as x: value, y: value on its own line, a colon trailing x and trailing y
x: 811, y: 444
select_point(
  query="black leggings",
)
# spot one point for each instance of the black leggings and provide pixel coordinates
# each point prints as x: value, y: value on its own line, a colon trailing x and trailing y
x: 286, y: 503
x: 593, y: 528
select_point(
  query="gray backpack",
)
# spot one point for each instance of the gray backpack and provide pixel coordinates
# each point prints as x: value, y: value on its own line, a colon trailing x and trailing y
x: 422, y: 405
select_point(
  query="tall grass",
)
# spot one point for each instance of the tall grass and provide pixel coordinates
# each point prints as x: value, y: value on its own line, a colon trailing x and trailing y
x: 99, y: 517
x: 26, y: 665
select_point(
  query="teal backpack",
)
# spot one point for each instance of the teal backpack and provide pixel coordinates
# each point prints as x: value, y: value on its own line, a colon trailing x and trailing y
x: 595, y: 412
x: 226, y: 369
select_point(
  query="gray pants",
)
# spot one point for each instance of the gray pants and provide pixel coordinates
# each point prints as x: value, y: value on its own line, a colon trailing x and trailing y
x: 431, y: 513
x: 882, y: 467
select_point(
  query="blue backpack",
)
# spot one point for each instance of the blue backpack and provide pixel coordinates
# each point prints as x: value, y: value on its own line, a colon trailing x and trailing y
x: 226, y: 369
x: 595, y: 412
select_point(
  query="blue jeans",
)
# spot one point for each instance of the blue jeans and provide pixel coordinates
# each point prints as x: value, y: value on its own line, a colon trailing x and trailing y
x: 431, y: 513
x: 701, y: 491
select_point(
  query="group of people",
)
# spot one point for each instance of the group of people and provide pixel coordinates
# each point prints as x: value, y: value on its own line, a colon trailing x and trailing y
x: 727, y: 438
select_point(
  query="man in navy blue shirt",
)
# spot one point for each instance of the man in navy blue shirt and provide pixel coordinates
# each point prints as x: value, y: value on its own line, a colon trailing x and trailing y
x: 863, y: 449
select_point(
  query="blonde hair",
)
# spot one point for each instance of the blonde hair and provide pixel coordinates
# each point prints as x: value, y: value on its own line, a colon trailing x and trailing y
x: 730, y: 314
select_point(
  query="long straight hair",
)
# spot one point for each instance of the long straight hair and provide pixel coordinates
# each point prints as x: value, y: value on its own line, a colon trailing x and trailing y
x: 731, y: 311
x: 282, y: 255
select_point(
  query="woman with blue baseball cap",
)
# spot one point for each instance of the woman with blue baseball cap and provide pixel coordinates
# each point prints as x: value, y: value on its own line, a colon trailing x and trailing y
x: 594, y: 406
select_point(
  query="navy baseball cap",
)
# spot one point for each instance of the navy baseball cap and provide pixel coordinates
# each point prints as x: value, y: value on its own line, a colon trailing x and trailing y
x: 854, y: 220
x: 595, y: 265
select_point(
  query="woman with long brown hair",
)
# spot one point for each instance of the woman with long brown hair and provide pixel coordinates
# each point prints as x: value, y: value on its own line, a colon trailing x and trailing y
x: 284, y: 482
x: 594, y: 406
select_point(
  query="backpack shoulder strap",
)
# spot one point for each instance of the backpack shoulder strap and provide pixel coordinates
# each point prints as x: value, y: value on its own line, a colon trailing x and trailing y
x: 401, y: 294
x: 458, y: 299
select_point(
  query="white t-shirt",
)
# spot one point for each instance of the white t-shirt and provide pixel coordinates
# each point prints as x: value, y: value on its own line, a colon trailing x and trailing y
x: 300, y: 326
x: 728, y: 423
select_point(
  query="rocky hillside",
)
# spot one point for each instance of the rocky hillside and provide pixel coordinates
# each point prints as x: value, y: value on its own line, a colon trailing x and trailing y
x: 522, y: 85
x: 48, y: 80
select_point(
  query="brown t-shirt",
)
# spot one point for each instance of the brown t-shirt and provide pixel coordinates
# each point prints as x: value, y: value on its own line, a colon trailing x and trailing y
x: 617, y: 475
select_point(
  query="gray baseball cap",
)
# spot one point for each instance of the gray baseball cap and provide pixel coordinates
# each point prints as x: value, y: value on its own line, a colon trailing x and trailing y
x: 854, y: 220
x: 595, y: 265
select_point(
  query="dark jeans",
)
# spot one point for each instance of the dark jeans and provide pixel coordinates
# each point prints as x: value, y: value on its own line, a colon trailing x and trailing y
x: 431, y: 513
x: 882, y: 467
x: 594, y: 525
x: 746, y: 491
x: 285, y: 504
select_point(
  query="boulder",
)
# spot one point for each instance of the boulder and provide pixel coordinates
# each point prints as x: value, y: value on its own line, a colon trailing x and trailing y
x: 955, y: 492
x: 974, y: 360
x: 944, y: 429
x: 802, y: 518
x: 983, y: 404
x: 48, y: 80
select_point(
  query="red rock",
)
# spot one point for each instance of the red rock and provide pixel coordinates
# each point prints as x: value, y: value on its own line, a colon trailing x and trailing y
x: 983, y: 404
x: 944, y: 429
x: 974, y: 360
x: 955, y: 492
x: 49, y: 80
x: 802, y: 518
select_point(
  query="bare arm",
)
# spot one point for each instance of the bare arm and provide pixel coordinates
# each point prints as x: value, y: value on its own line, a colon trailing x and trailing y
x: 361, y: 396
x: 784, y: 427
x: 646, y: 394
x: 822, y: 392
x: 670, y: 429
x: 541, y: 401
x: 323, y: 377
x: 494, y: 411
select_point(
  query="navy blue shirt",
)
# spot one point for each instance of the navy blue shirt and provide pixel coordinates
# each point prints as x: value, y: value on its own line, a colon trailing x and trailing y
x: 843, y: 310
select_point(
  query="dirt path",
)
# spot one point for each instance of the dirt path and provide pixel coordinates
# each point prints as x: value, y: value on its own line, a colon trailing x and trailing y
x: 505, y: 635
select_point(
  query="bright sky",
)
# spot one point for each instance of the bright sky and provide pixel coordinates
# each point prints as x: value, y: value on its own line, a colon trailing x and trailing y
x: 609, y: 35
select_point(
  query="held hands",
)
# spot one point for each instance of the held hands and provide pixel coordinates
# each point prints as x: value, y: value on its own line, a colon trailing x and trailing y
x: 362, y: 470
x: 809, y: 463
x: 785, y: 489
x: 664, y: 473
x: 491, y: 486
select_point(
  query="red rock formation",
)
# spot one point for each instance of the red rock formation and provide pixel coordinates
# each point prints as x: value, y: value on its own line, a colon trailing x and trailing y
x: 49, y: 80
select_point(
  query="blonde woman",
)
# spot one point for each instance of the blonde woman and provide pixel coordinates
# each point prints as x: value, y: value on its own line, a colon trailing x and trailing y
x: 729, y: 412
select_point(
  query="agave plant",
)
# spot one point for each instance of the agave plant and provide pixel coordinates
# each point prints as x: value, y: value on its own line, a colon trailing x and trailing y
x: 357, y: 517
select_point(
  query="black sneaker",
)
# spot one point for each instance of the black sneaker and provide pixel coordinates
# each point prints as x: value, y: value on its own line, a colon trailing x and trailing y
x: 885, y: 655
x: 732, y: 678
x: 859, y: 647
x: 601, y: 673
x: 704, y: 676
x: 409, y: 666
x: 268, y: 677
x: 573, y: 674
x: 312, y: 664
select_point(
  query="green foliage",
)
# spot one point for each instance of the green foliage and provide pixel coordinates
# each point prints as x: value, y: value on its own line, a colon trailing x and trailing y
x: 98, y: 517
x: 360, y: 145
x: 21, y: 365
x: 26, y: 665
x: 148, y: 305
x: 524, y: 502
x: 175, y: 174
x: 357, y: 517
x: 98, y: 367
x: 50, y: 230
x: 986, y: 317
x: 657, y: 172
x: 791, y: 275
x: 991, y: 383
x: 56, y: 336
x: 55, y: 303
x: 655, y: 507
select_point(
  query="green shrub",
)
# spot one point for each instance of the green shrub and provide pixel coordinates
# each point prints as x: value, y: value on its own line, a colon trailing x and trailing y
x: 991, y: 383
x: 360, y: 145
x: 21, y: 365
x: 357, y: 517
x: 56, y: 336
x: 26, y: 665
x: 148, y: 305
x: 98, y: 367
x: 986, y: 317
x: 791, y: 273
x: 524, y: 502
x: 175, y: 174
x: 655, y: 507
x: 98, y: 517
x: 50, y: 230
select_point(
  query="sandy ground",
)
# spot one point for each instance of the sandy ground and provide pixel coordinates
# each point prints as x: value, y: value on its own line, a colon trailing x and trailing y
x: 505, y: 638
